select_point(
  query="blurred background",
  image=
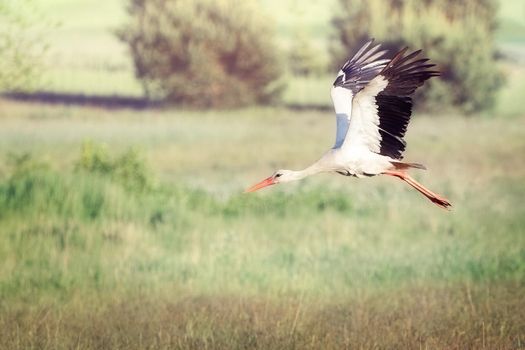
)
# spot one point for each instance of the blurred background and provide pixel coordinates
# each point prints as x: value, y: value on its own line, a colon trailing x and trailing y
x: 129, y: 129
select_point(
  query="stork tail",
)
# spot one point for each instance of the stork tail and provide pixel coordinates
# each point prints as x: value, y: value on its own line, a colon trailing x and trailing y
x: 404, y: 166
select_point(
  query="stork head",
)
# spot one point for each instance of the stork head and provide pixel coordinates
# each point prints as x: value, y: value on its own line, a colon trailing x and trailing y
x: 277, y: 177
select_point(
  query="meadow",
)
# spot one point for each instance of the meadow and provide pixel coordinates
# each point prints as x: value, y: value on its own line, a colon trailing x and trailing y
x: 128, y: 228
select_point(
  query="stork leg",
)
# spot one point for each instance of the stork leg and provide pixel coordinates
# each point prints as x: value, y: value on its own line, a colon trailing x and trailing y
x: 435, y: 198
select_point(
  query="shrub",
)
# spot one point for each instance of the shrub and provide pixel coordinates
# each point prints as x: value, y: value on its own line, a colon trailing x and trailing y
x: 304, y: 59
x: 203, y: 53
x: 457, y: 35
x: 22, y: 44
x: 128, y: 169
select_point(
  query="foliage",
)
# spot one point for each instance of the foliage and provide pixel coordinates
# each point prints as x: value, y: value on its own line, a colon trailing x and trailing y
x: 203, y: 53
x: 457, y: 35
x: 129, y: 168
x: 304, y: 60
x: 22, y: 46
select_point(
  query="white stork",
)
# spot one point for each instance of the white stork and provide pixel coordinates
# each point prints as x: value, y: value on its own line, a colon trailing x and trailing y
x: 371, y: 97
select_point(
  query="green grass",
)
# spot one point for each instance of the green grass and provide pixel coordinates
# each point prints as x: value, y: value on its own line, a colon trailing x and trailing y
x: 241, y: 245
x: 188, y: 261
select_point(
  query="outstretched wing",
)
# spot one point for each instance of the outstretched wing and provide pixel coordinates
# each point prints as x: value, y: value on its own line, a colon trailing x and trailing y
x: 381, y: 111
x: 355, y: 74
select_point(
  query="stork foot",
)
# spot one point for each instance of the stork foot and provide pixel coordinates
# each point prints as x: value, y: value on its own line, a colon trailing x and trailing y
x: 433, y: 197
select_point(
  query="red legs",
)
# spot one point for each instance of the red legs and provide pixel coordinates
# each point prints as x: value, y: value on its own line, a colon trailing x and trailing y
x: 435, y: 198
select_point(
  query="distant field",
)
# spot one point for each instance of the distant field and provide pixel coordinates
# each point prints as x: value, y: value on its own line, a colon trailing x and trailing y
x: 86, y: 57
x: 512, y: 23
x: 190, y: 262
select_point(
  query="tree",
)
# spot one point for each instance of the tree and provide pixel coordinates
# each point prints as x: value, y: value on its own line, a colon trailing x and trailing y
x: 21, y: 45
x: 457, y: 35
x: 203, y: 53
x: 304, y: 59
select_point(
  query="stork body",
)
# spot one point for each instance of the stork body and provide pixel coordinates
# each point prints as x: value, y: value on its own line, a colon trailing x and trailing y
x: 372, y: 103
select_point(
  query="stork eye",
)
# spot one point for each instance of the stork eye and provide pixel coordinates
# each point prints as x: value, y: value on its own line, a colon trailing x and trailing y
x: 278, y: 175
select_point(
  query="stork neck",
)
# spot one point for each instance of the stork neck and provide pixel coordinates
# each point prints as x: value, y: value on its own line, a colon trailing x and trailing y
x: 311, y: 170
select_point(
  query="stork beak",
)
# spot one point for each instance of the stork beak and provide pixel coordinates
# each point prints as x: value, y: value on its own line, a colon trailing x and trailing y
x: 266, y: 182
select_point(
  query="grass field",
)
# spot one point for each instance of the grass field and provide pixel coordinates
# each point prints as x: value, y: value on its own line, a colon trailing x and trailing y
x: 127, y: 228
x: 93, y: 259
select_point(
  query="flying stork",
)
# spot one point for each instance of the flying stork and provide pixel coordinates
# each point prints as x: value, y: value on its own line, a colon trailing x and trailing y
x: 372, y: 101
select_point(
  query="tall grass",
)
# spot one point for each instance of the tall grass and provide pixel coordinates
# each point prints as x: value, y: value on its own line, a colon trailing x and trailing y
x: 104, y: 245
x: 176, y: 267
x: 84, y: 225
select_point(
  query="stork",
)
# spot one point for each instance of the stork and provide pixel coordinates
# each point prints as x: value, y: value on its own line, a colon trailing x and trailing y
x: 372, y: 100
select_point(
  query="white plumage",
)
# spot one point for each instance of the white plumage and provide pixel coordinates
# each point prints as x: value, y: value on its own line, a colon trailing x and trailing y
x: 372, y: 103
x: 343, y: 111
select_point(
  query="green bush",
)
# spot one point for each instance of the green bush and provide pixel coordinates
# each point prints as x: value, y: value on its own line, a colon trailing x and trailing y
x: 457, y: 35
x: 22, y: 44
x: 203, y: 53
x: 304, y: 59
x: 128, y: 169
x: 107, y: 187
x: 102, y: 186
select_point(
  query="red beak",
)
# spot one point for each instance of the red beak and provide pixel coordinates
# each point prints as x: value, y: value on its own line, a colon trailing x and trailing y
x: 266, y: 182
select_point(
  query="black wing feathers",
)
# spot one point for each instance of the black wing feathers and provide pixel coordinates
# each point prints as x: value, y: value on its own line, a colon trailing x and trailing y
x: 405, y: 75
x: 394, y: 105
x: 394, y: 115
x: 364, y: 66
